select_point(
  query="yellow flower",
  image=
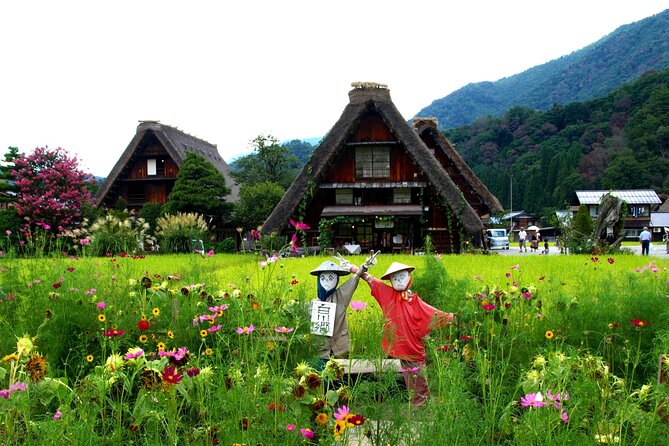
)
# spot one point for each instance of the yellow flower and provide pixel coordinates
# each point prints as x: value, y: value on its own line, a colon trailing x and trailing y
x: 170, y: 334
x: 339, y: 427
x: 322, y: 419
x: 156, y: 311
x: 143, y: 339
x: 160, y: 346
x: 209, y: 352
x: 89, y: 358
x: 549, y: 334
x: 102, y: 317
x: 12, y: 357
x: 203, y: 333
x: 269, y: 346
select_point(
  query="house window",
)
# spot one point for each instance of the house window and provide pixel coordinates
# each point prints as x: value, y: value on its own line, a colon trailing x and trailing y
x: 594, y: 211
x: 402, y: 195
x: 151, y: 166
x: 344, y: 196
x: 372, y: 162
x: 160, y: 167
x: 639, y: 210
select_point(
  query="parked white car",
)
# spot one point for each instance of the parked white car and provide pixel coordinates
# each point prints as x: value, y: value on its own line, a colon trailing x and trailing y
x: 497, y: 238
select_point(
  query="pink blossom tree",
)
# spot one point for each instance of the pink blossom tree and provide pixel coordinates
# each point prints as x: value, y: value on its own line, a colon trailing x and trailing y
x: 51, y: 189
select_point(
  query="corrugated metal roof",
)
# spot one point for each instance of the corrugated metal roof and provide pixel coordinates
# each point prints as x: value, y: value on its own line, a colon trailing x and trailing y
x: 659, y: 219
x: 631, y: 196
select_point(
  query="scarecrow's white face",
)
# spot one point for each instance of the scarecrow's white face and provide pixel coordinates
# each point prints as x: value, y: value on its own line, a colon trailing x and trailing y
x: 400, y: 280
x: 328, y: 280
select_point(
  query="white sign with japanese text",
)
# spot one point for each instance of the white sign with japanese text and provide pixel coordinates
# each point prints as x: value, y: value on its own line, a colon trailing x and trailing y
x: 323, y: 317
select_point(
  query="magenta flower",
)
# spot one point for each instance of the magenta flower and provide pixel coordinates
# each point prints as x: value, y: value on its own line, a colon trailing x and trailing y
x: 101, y: 305
x: 564, y: 416
x: 402, y: 370
x: 594, y: 259
x: 488, y: 306
x: 192, y: 372
x: 133, y: 353
x: 57, y: 415
x: 293, y: 243
x: 214, y: 329
x: 8, y: 232
x: 218, y: 308
x: 507, y: 275
x: 210, y: 253
x: 527, y: 295
x: 246, y: 330
x: 532, y: 400
x: 283, y: 329
x: 343, y: 411
x: 299, y: 225
x: 290, y: 427
x: 358, y: 305
x: 307, y: 433
x: 112, y: 333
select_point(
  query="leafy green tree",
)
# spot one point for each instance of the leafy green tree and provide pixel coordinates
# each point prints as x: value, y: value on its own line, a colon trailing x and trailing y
x: 200, y: 188
x: 256, y: 202
x: 583, y: 222
x: 8, y: 189
x: 269, y: 162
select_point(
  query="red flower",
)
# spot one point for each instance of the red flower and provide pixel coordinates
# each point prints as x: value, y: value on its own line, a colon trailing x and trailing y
x: 70, y: 269
x: 356, y: 420
x: 143, y: 325
x: 294, y: 282
x: 57, y: 285
x: 611, y: 260
x: 444, y: 348
x: 594, y: 259
x: 111, y: 333
x: 171, y: 376
x: 638, y: 322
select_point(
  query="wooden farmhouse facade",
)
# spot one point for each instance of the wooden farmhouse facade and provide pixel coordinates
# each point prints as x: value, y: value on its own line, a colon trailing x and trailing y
x: 148, y: 169
x: 376, y: 182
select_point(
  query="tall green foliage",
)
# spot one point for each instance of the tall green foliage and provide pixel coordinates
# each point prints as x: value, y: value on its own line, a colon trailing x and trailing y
x: 7, y: 188
x: 256, y: 202
x: 269, y: 162
x: 199, y: 187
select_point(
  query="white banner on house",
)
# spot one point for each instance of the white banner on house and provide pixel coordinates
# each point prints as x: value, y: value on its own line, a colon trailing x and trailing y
x: 322, y: 317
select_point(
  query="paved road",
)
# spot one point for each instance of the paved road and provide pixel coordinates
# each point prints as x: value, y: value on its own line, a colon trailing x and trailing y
x: 657, y: 250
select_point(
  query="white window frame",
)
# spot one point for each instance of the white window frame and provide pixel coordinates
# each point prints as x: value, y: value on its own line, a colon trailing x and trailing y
x: 151, y: 167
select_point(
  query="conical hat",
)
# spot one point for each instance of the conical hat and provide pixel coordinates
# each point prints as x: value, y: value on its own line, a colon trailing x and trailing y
x: 329, y: 267
x: 396, y: 267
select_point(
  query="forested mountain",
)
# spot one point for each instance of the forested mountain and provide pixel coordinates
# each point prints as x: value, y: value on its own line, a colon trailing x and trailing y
x: 592, y: 72
x: 619, y: 141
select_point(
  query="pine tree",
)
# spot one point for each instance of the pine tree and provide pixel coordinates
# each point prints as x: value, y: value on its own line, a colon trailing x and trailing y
x: 200, y: 188
x: 8, y: 189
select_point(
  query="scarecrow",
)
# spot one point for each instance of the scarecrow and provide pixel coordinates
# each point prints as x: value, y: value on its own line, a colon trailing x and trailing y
x: 328, y: 312
x: 408, y: 321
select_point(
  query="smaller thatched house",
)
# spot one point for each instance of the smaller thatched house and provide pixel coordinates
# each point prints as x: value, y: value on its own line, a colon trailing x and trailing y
x: 147, y: 170
x: 372, y: 183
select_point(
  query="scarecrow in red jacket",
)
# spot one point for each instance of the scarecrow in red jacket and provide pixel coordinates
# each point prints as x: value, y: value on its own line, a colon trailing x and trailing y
x: 408, y: 321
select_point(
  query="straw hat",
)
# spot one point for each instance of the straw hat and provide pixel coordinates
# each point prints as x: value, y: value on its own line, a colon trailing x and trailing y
x: 329, y: 267
x: 396, y: 267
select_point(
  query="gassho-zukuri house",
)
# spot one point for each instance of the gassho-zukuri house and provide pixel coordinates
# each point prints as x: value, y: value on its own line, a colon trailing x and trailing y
x: 376, y: 182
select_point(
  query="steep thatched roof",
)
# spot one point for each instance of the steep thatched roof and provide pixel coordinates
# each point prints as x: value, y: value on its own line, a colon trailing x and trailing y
x: 177, y: 144
x: 427, y: 129
x: 366, y: 97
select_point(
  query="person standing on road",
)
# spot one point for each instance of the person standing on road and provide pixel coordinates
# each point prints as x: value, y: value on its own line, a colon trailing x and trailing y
x: 522, y: 236
x: 644, y: 239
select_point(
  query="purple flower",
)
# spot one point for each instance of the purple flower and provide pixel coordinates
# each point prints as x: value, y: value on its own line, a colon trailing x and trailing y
x: 246, y: 330
x: 214, y: 329
x: 532, y: 400
x: 101, y: 305
x: 343, y: 411
x: 18, y: 387
x: 564, y: 416
x: 307, y: 433
x: 57, y: 415
x: 5, y: 393
x: 358, y: 305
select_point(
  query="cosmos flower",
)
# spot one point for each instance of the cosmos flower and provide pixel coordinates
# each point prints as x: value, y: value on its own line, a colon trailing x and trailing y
x: 358, y: 305
x: 246, y: 330
x: 283, y: 329
x: 532, y: 400
x: 299, y: 225
x: 171, y: 376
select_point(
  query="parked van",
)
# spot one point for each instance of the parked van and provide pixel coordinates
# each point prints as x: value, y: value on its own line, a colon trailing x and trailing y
x: 497, y: 238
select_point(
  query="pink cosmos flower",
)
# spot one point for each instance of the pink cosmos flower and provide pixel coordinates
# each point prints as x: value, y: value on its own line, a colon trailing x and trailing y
x: 343, y: 411
x: 532, y: 400
x: 527, y: 295
x: 246, y: 330
x: 283, y: 329
x: 488, y: 306
x: 210, y: 253
x: 290, y: 427
x: 402, y: 370
x: 133, y: 354
x: 214, y: 329
x: 293, y: 243
x: 358, y: 305
x: 101, y: 305
x: 565, y: 417
x: 299, y: 225
x: 57, y: 415
x: 307, y: 433
x: 218, y: 308
x: 8, y: 232
x: 90, y: 292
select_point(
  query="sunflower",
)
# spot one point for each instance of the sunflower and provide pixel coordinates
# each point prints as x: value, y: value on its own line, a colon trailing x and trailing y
x: 155, y: 311
x: 322, y: 419
x: 170, y: 334
x: 102, y: 317
x: 36, y: 366
x: 143, y: 339
x: 549, y: 334
x: 89, y: 358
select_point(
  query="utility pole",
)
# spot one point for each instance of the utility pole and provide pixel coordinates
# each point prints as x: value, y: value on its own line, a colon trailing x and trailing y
x: 511, y: 202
